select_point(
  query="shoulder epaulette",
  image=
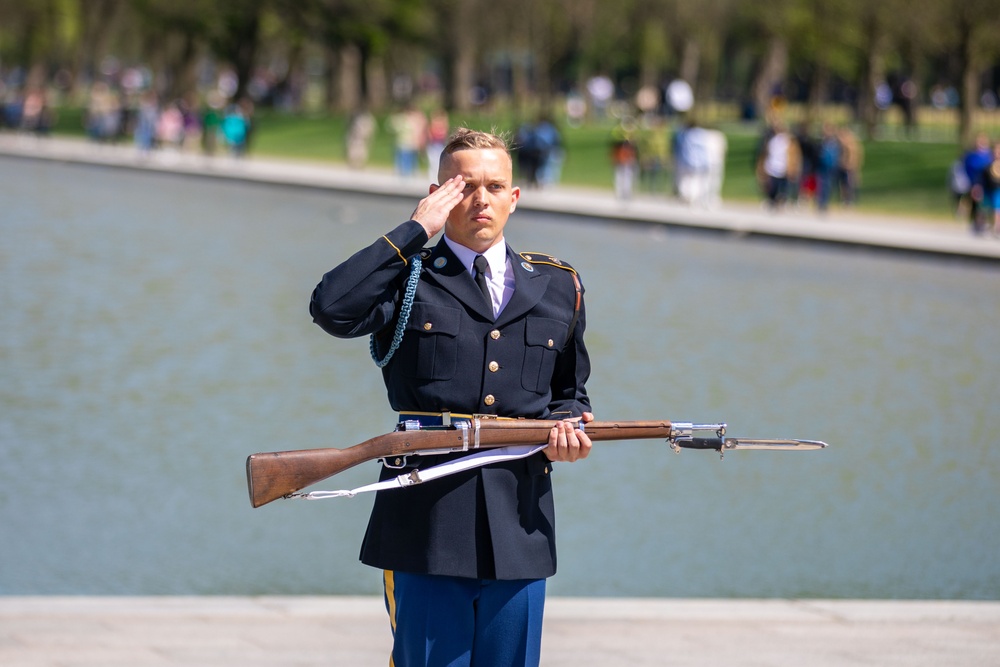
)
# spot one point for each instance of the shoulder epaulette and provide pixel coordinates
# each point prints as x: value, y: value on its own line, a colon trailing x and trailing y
x: 543, y: 258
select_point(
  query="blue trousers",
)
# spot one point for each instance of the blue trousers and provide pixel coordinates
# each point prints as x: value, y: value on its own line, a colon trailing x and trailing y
x: 457, y: 622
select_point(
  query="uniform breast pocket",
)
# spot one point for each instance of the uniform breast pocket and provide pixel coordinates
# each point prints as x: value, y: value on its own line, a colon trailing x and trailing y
x: 543, y: 339
x: 430, y: 345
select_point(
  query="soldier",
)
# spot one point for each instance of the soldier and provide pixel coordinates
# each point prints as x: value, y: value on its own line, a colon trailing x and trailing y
x: 465, y: 557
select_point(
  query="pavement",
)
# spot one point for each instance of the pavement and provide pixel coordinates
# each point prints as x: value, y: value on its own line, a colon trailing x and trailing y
x: 950, y: 238
x: 216, y: 631
x: 578, y: 632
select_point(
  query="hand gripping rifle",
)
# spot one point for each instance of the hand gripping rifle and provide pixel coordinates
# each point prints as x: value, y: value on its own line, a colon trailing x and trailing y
x: 275, y: 475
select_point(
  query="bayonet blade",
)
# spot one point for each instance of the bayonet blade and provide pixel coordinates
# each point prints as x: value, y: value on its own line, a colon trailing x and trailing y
x: 773, y: 444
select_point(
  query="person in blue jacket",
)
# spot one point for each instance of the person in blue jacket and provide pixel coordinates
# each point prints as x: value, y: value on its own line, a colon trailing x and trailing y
x: 465, y: 557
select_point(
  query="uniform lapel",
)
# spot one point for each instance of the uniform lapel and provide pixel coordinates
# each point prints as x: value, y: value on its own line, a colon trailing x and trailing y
x: 529, y: 286
x: 447, y: 271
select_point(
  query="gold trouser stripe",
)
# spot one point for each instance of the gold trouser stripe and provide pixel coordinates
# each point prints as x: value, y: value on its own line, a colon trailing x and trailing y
x: 390, y: 601
x: 390, y: 596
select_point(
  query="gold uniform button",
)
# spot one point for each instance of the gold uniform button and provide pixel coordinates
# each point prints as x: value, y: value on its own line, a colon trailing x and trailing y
x: 495, y: 334
x: 494, y: 367
x: 489, y: 400
x: 428, y: 326
x: 551, y: 342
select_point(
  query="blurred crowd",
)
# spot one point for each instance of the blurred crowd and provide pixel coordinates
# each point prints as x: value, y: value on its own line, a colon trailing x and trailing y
x: 28, y: 111
x: 117, y: 114
x: 654, y: 147
x: 687, y: 163
x: 974, y: 181
x: 178, y: 124
x: 799, y: 167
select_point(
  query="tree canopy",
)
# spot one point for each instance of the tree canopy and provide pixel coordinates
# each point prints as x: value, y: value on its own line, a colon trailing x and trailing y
x: 375, y: 53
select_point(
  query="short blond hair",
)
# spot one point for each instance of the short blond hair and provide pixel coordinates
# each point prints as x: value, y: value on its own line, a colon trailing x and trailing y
x: 466, y: 139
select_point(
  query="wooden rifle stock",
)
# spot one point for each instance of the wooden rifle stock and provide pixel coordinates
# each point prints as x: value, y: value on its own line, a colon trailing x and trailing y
x: 274, y: 475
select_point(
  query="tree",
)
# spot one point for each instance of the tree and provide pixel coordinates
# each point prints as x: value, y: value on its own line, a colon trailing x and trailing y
x: 975, y: 38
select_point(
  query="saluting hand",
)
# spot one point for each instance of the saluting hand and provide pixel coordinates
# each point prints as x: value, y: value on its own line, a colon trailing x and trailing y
x: 433, y: 210
x: 567, y: 442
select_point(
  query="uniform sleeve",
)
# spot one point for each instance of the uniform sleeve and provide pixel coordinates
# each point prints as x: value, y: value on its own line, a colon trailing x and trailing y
x: 569, y: 381
x: 359, y: 296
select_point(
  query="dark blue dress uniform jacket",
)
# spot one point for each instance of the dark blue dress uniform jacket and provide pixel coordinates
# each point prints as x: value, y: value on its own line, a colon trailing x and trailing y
x: 495, y: 522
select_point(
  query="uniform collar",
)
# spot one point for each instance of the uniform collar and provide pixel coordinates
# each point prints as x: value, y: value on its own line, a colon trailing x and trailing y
x: 496, y: 255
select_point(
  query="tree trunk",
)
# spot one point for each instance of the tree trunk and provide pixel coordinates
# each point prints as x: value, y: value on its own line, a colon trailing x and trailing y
x: 819, y: 90
x: 183, y: 69
x: 349, y: 85
x: 463, y: 56
x: 331, y: 65
x: 691, y: 61
x: 771, y: 74
x: 873, y: 74
x: 376, y: 83
x: 969, y: 88
x: 97, y: 25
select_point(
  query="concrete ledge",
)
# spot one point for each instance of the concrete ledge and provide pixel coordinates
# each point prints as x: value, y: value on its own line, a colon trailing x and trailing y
x: 579, y: 632
x: 838, y: 227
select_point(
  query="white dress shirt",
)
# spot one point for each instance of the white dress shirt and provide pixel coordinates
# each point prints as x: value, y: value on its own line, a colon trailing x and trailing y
x: 499, y: 277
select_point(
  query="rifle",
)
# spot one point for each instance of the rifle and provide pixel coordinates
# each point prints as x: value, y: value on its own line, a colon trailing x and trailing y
x: 275, y: 475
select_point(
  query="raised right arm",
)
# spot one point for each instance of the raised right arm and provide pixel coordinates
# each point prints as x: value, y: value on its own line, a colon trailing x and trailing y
x: 359, y: 296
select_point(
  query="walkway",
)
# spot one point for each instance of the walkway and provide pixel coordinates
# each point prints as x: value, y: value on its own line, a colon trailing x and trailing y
x: 839, y: 226
x: 579, y: 632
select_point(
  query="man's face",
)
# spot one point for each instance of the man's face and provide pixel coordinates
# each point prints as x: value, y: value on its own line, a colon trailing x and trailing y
x: 478, y: 220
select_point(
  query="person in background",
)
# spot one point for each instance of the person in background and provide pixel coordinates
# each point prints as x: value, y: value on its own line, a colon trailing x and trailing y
x: 147, y: 119
x: 437, y: 134
x: 805, y: 188
x: 827, y: 161
x: 654, y: 154
x: 360, y: 131
x: 193, y: 127
x: 624, y: 157
x: 527, y: 154
x: 779, y: 163
x: 550, y: 152
x: 976, y: 160
x: 409, y: 127
x: 211, y: 122
x: 170, y: 127
x: 991, y: 191
x: 36, y: 115
x: 959, y: 186
x: 849, y: 165
x: 465, y: 557
x: 236, y: 129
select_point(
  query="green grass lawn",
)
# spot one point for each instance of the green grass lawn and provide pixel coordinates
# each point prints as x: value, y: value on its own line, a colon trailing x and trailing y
x: 905, y: 178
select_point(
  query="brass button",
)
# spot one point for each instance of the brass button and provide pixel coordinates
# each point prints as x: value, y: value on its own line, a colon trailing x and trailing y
x: 428, y: 326
x: 551, y: 342
x: 494, y: 367
x: 495, y: 334
x: 489, y: 400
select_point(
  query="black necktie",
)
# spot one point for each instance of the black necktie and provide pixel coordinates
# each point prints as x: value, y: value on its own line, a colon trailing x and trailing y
x: 481, y: 265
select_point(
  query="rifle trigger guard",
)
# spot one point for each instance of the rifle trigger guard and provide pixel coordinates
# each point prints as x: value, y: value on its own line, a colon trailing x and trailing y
x: 397, y: 462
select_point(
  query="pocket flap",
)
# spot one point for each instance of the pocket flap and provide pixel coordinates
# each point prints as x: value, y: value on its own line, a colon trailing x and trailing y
x: 434, y: 319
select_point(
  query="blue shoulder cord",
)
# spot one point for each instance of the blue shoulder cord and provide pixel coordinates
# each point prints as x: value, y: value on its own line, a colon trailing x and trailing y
x: 404, y: 315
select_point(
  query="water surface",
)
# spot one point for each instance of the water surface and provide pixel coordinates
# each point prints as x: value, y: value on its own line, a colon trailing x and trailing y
x: 155, y: 332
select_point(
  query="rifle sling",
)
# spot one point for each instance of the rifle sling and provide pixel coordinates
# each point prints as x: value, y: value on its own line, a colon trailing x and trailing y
x: 414, y: 477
